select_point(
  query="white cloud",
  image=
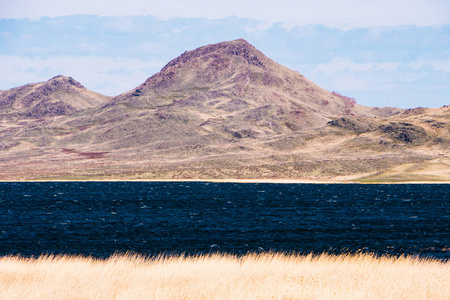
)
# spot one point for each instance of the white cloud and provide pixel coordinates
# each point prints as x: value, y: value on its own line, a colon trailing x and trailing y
x: 350, y: 82
x: 438, y: 65
x: 343, y: 74
x: 343, y: 14
x: 107, y: 75
x: 385, y: 84
x: 339, y: 65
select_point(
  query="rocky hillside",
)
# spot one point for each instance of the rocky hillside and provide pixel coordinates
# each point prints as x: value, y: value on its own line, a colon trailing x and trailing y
x: 235, y: 82
x: 219, y: 111
x: 58, y: 96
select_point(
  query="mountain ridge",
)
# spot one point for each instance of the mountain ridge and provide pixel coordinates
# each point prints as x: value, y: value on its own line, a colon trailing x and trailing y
x: 219, y: 111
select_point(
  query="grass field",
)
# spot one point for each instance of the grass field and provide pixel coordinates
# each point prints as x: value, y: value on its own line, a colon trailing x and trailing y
x: 253, y: 276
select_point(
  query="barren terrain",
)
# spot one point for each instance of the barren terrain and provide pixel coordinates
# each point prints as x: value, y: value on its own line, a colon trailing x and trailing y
x: 222, y: 111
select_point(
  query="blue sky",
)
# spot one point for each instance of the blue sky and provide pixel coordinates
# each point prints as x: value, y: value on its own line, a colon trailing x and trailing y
x: 382, y: 54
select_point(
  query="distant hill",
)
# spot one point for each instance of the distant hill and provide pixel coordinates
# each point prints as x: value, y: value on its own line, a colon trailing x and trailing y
x: 58, y: 96
x: 235, y: 81
x: 220, y: 111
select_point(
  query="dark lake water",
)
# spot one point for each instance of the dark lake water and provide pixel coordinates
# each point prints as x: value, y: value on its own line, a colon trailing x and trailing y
x: 102, y: 218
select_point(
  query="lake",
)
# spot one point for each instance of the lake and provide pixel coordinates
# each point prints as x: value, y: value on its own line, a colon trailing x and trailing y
x: 103, y: 218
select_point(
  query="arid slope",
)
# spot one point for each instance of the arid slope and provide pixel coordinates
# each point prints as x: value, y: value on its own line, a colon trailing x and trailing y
x: 219, y: 111
x: 58, y: 96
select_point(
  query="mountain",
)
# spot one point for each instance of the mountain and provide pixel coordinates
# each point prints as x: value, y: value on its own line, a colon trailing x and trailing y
x: 220, y: 111
x: 58, y: 96
x: 235, y: 81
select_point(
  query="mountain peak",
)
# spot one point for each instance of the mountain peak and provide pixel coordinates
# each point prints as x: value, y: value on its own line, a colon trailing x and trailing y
x: 207, y: 66
x: 61, y: 81
x: 239, y: 47
x: 209, y: 76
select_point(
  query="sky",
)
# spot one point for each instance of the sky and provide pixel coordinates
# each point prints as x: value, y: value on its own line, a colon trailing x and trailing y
x: 382, y: 53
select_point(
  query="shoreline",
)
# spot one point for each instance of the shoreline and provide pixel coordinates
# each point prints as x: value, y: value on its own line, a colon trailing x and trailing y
x: 232, y: 180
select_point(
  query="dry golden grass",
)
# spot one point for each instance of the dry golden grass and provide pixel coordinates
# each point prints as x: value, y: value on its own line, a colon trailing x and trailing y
x: 437, y: 170
x: 254, y: 276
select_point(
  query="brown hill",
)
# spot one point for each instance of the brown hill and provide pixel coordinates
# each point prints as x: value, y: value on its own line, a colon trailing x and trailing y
x: 236, y: 82
x: 58, y: 96
x: 220, y: 111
